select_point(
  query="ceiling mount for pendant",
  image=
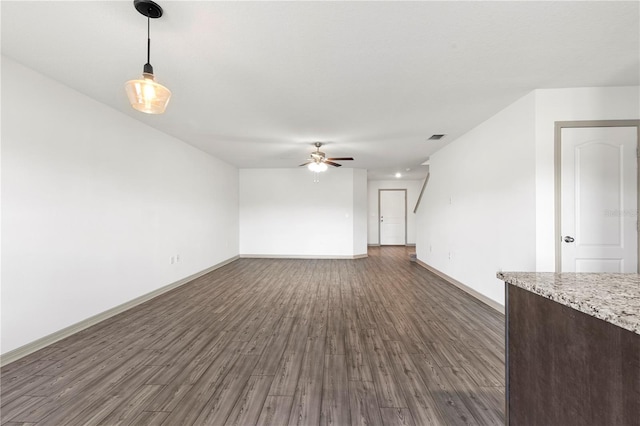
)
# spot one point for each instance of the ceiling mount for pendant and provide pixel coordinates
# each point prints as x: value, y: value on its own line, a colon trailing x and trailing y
x: 148, y: 8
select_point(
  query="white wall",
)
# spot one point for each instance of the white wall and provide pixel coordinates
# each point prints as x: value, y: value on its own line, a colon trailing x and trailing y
x: 94, y: 205
x: 477, y: 214
x: 592, y: 103
x: 283, y: 212
x: 359, y: 211
x: 500, y: 178
x: 413, y: 188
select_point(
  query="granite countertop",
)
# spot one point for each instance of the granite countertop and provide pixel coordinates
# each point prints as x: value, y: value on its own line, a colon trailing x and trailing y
x: 614, y: 298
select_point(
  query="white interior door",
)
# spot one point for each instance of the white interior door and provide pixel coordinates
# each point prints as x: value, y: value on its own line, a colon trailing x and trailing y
x: 393, y: 217
x: 599, y: 199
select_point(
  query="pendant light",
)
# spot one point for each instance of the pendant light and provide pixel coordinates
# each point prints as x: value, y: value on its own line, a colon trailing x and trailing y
x: 146, y: 95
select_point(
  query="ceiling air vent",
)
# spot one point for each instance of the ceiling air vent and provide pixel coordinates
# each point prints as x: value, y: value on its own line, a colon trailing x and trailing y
x: 436, y: 137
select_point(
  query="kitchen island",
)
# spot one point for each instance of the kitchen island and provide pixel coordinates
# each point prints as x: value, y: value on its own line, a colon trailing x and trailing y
x: 572, y: 349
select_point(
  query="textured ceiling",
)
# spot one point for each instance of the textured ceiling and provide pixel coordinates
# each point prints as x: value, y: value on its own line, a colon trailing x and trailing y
x: 256, y: 83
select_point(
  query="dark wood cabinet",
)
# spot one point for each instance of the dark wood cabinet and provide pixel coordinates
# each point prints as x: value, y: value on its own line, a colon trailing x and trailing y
x: 565, y: 367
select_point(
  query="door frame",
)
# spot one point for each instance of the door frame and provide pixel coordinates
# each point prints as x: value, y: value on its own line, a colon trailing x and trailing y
x: 405, y: 214
x: 557, y: 139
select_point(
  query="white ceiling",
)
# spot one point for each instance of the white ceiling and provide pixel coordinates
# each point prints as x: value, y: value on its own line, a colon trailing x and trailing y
x: 255, y: 83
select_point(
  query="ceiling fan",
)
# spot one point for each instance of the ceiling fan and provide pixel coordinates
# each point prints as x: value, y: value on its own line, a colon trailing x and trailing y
x: 317, y: 161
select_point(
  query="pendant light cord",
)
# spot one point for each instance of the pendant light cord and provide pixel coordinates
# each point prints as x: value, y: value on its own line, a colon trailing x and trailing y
x: 148, y: 40
x: 148, y: 69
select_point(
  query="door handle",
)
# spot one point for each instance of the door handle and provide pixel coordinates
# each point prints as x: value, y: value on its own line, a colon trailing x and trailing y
x: 568, y: 239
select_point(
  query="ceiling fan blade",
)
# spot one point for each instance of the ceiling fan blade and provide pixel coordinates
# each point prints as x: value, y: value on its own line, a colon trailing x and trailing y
x: 341, y: 158
x: 331, y: 163
x: 304, y: 164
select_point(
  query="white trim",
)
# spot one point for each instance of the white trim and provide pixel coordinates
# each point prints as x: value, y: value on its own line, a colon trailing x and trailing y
x: 302, y: 256
x: 72, y: 329
x: 481, y: 297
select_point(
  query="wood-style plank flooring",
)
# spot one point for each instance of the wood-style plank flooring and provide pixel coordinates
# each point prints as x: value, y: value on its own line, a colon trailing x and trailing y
x: 375, y: 341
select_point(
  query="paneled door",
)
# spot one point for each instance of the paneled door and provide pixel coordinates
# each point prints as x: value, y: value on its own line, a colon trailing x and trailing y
x: 599, y: 203
x: 393, y: 216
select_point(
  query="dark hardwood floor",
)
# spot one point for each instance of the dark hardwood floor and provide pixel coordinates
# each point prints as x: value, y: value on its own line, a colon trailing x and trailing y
x: 375, y: 341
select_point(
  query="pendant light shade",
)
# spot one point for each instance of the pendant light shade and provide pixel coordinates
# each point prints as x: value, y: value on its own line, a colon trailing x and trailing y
x: 146, y: 95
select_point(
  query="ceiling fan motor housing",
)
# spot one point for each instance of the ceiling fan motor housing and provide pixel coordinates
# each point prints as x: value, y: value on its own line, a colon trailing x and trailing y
x: 318, y: 155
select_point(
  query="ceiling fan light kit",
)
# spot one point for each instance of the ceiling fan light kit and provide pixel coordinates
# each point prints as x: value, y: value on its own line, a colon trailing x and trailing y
x: 146, y: 95
x: 317, y: 167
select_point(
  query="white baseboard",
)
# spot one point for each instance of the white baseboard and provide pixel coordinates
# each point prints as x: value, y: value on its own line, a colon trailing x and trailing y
x: 410, y: 244
x: 481, y: 297
x: 68, y: 331
x: 301, y: 256
x: 374, y: 245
